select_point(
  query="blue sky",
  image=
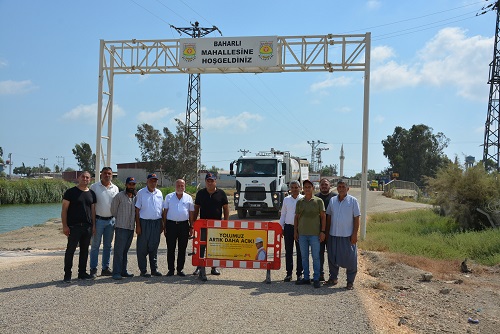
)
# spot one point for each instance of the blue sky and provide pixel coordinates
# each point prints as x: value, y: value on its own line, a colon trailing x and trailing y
x: 430, y: 63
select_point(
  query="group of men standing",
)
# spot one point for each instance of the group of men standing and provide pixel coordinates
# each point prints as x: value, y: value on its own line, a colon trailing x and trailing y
x: 100, y: 212
x: 314, y: 223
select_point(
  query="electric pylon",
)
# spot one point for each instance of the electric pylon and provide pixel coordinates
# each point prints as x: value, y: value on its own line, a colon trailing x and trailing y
x: 192, y: 125
x: 491, y: 152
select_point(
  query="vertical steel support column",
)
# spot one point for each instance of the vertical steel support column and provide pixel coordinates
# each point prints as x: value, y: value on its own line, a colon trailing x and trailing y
x: 99, y: 109
x: 366, y: 124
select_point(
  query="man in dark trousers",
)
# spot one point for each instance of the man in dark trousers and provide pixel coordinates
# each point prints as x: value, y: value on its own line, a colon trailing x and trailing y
x: 78, y: 221
x: 325, y: 194
x: 210, y: 203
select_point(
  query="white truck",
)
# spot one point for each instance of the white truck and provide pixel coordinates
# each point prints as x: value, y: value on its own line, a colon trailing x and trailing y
x: 262, y: 180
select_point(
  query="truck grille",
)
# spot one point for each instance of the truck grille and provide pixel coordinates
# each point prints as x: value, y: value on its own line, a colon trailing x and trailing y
x: 255, y: 193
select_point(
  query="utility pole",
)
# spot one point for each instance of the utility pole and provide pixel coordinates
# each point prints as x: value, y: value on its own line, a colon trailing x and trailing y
x: 320, y: 162
x: 491, y: 145
x: 44, y: 159
x: 9, y: 162
x: 60, y: 157
x: 244, y: 151
x: 193, y: 109
x: 314, y: 146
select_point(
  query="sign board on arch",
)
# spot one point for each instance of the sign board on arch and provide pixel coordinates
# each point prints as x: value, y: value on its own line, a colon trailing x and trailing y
x: 224, y: 52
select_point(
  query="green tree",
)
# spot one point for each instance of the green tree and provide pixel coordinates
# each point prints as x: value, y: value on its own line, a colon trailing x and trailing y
x: 150, y: 144
x: 416, y: 152
x: 371, y: 175
x: 328, y: 170
x: 23, y: 170
x: 459, y: 192
x: 84, y: 157
x: 167, y: 152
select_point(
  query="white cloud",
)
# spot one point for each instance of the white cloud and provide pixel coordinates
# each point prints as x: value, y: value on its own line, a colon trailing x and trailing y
x: 3, y: 63
x: 343, y: 110
x: 373, y: 4
x: 153, y: 116
x: 88, y: 113
x: 450, y: 58
x: 378, y: 119
x: 10, y: 87
x: 238, y: 123
x: 393, y: 75
x: 381, y: 53
x: 331, y: 81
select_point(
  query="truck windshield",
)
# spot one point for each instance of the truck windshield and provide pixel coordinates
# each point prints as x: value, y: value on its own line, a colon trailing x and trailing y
x: 256, y: 167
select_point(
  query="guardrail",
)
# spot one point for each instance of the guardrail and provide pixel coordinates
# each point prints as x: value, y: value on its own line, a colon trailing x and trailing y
x: 398, y: 184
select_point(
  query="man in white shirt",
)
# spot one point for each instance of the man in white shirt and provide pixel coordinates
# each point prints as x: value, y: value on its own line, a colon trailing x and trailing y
x: 104, y: 227
x: 287, y: 220
x: 148, y: 225
x: 178, y: 210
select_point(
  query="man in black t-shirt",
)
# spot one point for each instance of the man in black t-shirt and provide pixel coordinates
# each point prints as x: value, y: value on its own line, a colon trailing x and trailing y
x: 78, y: 221
x: 325, y: 195
x: 210, y: 203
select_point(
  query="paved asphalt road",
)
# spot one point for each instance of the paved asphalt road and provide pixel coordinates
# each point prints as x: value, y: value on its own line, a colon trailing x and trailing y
x: 34, y: 300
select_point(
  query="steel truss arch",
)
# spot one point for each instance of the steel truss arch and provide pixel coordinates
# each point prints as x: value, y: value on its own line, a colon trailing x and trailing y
x: 315, y: 53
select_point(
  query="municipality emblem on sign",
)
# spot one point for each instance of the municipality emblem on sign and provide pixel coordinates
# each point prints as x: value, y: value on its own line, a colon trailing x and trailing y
x: 266, y: 50
x: 189, y: 52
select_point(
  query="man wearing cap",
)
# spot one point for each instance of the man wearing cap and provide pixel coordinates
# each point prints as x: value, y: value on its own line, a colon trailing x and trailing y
x: 309, y: 230
x: 261, y: 251
x: 148, y: 225
x: 325, y: 194
x: 105, y: 191
x: 178, y: 210
x: 343, y: 213
x: 123, y: 209
x: 210, y: 203
x: 287, y: 219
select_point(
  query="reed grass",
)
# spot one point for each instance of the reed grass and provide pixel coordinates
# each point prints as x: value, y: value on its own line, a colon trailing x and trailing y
x: 32, y: 191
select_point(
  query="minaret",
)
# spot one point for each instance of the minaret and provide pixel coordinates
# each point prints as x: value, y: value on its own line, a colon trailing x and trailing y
x: 342, y: 157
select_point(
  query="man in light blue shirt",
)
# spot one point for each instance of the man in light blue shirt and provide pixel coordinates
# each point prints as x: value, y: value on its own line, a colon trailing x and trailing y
x: 343, y: 213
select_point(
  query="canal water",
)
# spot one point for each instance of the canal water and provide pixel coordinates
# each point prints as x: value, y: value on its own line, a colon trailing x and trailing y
x: 13, y: 217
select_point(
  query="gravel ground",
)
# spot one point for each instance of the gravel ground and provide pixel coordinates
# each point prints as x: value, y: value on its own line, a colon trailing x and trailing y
x: 34, y: 300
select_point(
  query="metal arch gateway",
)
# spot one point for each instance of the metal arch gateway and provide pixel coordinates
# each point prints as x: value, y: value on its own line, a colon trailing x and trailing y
x: 315, y: 53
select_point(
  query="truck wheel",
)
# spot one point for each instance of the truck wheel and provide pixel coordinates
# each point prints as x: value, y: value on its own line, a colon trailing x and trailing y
x: 252, y: 213
x: 242, y: 213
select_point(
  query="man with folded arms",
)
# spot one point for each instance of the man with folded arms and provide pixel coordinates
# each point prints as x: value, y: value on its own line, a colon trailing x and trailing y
x: 178, y: 210
x: 148, y: 225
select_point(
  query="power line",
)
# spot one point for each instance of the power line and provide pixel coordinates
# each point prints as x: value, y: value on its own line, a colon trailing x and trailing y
x: 410, y: 19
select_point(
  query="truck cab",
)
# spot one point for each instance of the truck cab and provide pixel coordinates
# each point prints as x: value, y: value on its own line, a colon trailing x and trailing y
x: 262, y: 182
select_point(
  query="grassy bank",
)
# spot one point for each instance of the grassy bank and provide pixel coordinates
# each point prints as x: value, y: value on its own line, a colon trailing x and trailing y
x: 424, y: 233
x: 32, y: 191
